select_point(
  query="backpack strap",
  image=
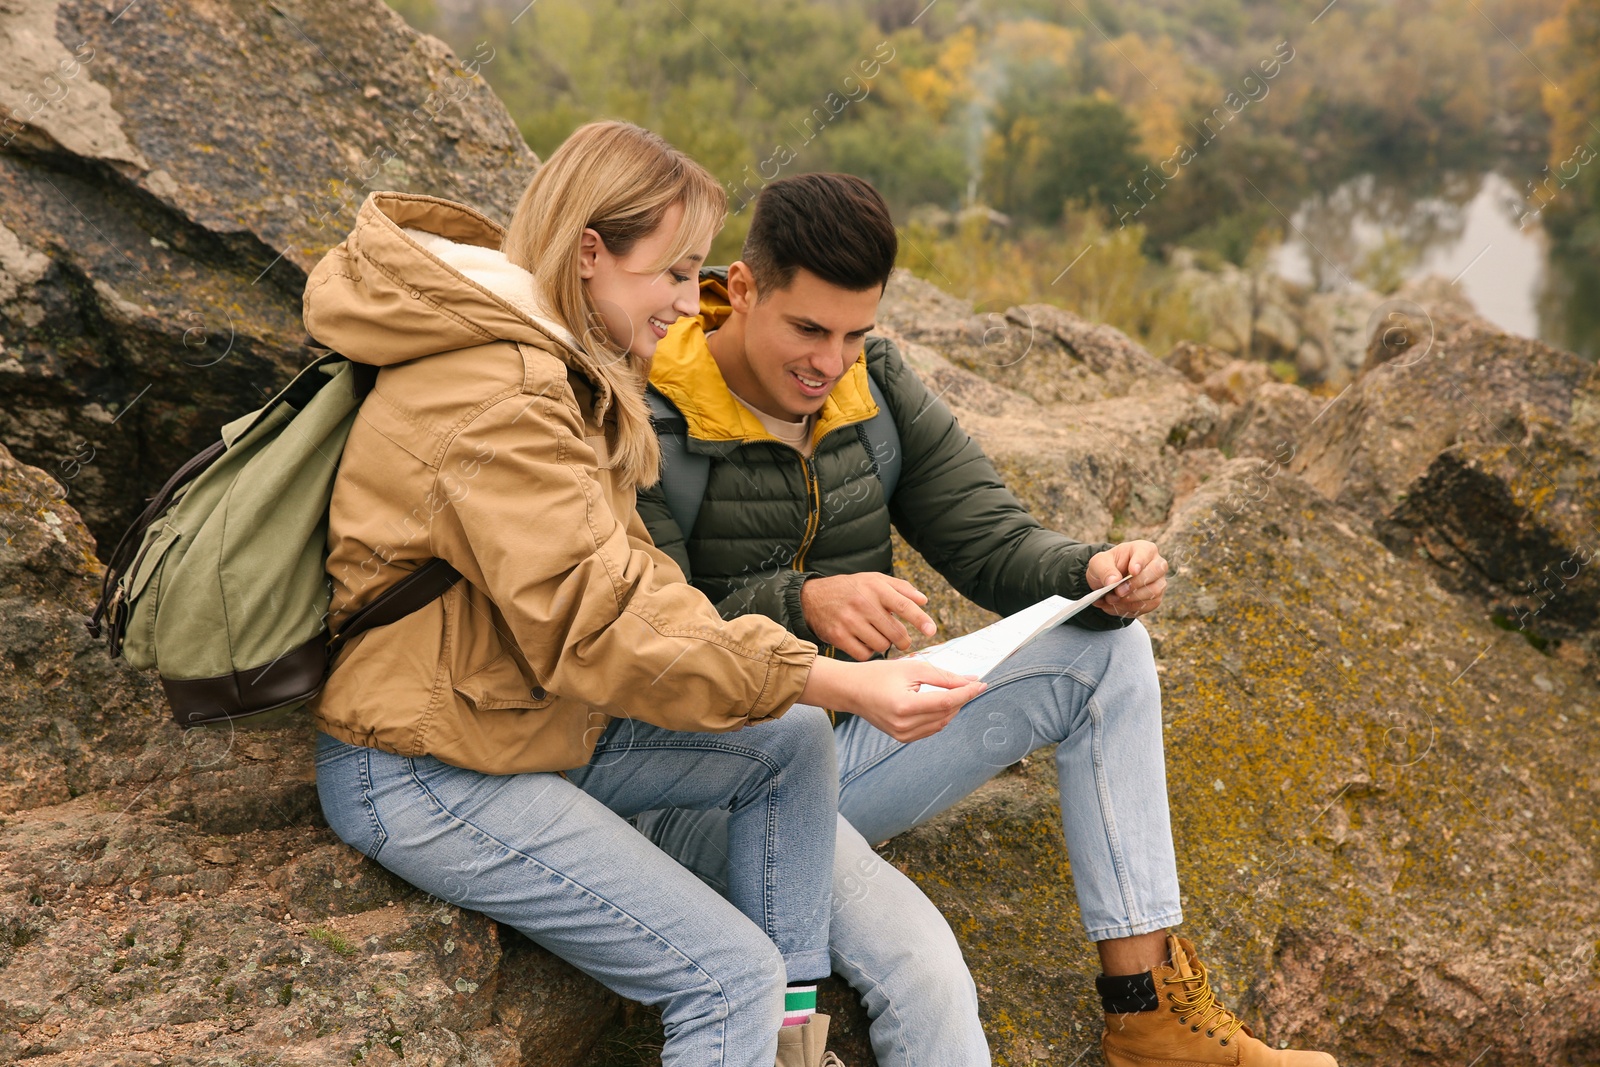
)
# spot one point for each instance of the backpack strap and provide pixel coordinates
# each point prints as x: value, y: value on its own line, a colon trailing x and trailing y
x: 684, y: 474
x: 417, y: 589
x: 882, y: 439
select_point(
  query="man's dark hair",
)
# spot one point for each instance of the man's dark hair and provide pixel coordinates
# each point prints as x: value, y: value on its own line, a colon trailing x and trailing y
x: 834, y: 225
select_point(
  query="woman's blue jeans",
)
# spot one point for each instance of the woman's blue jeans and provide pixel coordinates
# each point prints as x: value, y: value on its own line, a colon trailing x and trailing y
x: 554, y: 857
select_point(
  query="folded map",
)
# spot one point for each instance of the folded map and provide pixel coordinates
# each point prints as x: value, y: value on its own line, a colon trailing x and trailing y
x: 981, y: 651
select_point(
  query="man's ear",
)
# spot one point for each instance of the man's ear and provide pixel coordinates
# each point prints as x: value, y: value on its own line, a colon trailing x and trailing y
x: 589, y: 248
x: 742, y: 294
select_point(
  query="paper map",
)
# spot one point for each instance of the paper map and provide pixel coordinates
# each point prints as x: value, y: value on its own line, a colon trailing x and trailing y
x: 981, y: 651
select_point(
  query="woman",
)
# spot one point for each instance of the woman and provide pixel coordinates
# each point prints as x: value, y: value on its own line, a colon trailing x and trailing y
x: 489, y: 747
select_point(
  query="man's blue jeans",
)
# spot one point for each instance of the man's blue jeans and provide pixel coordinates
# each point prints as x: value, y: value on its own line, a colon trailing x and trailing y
x: 1094, y: 695
x: 555, y: 858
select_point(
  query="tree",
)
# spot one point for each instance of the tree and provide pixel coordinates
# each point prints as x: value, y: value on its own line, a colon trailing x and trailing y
x: 1048, y: 150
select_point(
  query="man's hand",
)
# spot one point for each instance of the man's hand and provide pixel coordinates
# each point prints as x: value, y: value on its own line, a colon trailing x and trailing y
x: 863, y: 614
x: 1142, y: 571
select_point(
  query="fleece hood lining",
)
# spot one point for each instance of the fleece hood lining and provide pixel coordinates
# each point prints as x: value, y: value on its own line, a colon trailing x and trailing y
x: 490, y: 268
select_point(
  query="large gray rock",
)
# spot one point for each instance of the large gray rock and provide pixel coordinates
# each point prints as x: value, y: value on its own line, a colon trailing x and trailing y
x: 168, y: 174
x: 1383, y: 806
x: 1079, y: 417
x: 1480, y: 452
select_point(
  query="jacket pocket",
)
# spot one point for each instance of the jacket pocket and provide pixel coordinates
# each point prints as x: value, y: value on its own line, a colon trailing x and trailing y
x: 499, y: 685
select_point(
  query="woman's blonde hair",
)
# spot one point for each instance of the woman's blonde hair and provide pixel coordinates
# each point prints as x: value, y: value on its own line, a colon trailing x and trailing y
x: 619, y: 180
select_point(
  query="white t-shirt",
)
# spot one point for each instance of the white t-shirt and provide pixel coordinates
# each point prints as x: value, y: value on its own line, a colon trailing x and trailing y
x: 797, y: 434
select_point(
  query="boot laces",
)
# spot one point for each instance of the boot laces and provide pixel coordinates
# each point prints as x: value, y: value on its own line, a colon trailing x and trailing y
x: 831, y: 1060
x: 1198, y: 1001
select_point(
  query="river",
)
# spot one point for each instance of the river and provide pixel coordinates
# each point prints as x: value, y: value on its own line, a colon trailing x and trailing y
x: 1462, y: 227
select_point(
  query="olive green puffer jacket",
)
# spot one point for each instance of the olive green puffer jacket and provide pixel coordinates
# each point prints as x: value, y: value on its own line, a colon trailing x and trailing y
x: 771, y: 518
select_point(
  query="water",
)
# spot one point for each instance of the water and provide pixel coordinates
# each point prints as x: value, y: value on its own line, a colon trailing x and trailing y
x: 1463, y: 228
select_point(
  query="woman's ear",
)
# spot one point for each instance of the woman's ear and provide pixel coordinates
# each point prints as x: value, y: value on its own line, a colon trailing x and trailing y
x: 589, y: 248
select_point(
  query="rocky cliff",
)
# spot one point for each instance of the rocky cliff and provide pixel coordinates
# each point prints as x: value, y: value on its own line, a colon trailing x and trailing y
x: 1379, y: 673
x: 167, y: 176
x: 1378, y: 653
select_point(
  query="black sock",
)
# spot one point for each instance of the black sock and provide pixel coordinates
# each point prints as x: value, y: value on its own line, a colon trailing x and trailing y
x: 1121, y: 994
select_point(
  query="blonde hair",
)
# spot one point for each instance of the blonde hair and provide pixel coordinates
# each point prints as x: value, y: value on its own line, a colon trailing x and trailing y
x: 619, y: 180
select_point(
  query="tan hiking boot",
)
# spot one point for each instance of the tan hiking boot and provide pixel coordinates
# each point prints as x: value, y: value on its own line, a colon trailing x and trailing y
x: 1191, y: 1028
x: 803, y: 1046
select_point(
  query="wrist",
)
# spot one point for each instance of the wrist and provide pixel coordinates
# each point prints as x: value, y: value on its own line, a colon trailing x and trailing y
x: 1078, y: 584
x: 828, y: 684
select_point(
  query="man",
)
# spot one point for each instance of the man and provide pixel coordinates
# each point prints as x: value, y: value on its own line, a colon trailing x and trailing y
x: 774, y: 384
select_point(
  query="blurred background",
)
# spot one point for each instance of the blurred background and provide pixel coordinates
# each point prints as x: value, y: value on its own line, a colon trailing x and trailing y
x: 1359, y: 144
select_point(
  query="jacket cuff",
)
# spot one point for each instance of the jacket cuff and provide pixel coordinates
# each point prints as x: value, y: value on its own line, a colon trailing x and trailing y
x: 1078, y: 574
x: 1091, y: 618
x: 793, y: 617
x: 788, y: 670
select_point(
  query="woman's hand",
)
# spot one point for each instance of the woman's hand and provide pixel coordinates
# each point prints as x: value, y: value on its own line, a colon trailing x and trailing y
x: 905, y: 698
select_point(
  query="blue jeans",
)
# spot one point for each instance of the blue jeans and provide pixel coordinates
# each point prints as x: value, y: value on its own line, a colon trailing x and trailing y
x: 1094, y: 695
x: 555, y: 858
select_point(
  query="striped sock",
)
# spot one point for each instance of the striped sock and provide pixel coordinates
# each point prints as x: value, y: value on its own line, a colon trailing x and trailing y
x: 799, y: 1002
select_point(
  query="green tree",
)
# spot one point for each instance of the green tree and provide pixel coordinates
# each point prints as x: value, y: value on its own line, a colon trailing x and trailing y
x: 1049, y: 150
x: 910, y: 160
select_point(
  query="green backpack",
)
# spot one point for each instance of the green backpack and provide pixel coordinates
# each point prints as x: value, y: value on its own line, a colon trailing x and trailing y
x: 221, y: 582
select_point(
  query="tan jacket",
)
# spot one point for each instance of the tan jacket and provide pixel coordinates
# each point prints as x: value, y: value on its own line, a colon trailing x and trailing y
x: 484, y: 443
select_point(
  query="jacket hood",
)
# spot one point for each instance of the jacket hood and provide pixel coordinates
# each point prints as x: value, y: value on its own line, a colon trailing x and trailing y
x: 684, y: 371
x: 418, y: 276
x: 714, y: 305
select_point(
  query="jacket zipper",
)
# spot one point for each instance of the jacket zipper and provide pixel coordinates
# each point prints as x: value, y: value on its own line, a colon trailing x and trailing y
x: 813, y: 495
x: 813, y: 511
x: 813, y: 524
